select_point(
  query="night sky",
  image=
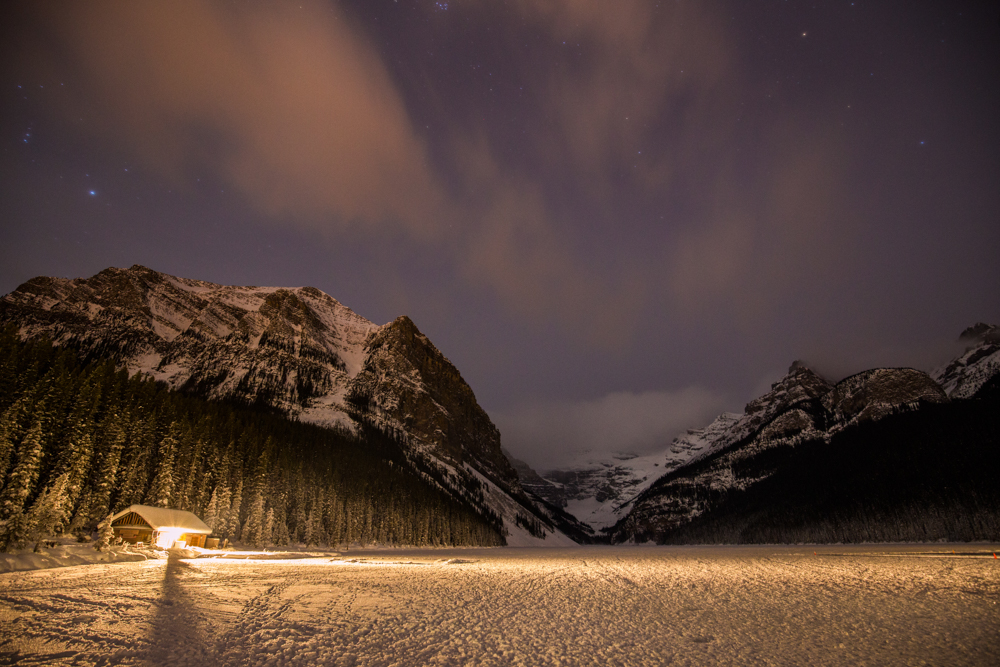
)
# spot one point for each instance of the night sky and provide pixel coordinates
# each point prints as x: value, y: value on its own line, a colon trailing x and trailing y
x: 616, y: 218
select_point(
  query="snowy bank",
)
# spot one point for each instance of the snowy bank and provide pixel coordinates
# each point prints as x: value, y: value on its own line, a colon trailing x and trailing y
x: 66, y: 554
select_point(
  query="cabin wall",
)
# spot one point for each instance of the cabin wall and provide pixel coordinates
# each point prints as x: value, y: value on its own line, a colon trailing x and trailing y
x: 134, y: 535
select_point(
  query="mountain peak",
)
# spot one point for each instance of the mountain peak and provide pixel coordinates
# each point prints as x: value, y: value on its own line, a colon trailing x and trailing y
x: 296, y: 350
x: 977, y: 369
x: 796, y: 366
x: 981, y: 332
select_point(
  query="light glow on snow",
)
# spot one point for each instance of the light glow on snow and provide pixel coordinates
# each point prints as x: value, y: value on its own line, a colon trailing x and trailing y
x: 166, y: 537
x: 585, y: 606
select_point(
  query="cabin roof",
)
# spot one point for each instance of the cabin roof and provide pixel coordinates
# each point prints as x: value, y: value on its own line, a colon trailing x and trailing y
x: 160, y: 518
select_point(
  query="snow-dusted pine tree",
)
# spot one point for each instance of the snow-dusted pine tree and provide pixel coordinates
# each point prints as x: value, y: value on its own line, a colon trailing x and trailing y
x: 267, y: 533
x: 211, y: 516
x: 106, y: 472
x: 11, y: 432
x: 22, y: 479
x: 236, y: 505
x: 254, y: 526
x: 280, y: 536
x: 76, y: 452
x: 14, y: 531
x: 135, y: 463
x: 161, y: 490
x: 105, y: 533
x: 50, y: 508
x: 309, y: 534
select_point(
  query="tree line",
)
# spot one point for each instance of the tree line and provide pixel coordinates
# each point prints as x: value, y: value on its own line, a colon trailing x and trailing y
x: 79, y: 441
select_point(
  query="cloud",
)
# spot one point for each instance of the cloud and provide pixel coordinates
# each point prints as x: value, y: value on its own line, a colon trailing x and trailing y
x: 633, y: 93
x: 293, y: 106
x: 548, y: 433
x: 284, y: 102
x: 517, y: 248
x: 764, y: 238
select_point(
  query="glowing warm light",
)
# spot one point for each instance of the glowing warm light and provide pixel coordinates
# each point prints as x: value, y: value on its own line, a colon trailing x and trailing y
x: 166, y: 537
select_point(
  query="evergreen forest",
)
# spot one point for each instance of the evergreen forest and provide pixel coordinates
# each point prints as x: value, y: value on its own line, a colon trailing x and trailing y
x: 79, y: 441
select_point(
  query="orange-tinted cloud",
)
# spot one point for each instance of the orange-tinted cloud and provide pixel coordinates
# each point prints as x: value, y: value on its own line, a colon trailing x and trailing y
x: 294, y: 108
x: 285, y: 102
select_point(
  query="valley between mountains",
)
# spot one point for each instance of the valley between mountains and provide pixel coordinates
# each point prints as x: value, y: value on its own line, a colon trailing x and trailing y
x: 283, y: 416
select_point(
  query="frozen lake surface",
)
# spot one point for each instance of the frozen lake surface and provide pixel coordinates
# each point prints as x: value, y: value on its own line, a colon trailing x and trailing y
x: 582, y: 606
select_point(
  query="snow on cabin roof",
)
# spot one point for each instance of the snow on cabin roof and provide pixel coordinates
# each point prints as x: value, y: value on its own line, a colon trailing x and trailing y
x: 160, y: 518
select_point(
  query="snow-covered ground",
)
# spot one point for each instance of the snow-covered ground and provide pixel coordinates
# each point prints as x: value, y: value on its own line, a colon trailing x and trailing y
x: 65, y: 553
x: 584, y: 606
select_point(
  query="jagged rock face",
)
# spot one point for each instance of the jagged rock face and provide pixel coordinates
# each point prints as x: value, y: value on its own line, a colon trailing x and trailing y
x: 551, y: 501
x: 800, y: 386
x: 800, y: 407
x: 534, y: 483
x: 296, y: 350
x: 873, y: 394
x: 599, y: 488
x: 291, y: 349
x: 698, y: 441
x: 406, y: 380
x: 596, y: 490
x: 977, y: 369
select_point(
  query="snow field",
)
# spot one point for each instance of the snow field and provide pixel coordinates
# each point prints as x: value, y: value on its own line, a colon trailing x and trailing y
x: 582, y: 606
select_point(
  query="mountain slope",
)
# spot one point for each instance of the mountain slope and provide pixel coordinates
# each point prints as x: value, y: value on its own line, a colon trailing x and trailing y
x: 977, y: 369
x: 294, y: 350
x: 917, y: 476
x: 79, y: 441
x: 800, y: 408
x: 599, y: 489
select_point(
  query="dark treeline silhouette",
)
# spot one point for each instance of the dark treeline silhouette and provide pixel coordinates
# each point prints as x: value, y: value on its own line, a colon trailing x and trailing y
x: 79, y: 441
x: 919, y: 476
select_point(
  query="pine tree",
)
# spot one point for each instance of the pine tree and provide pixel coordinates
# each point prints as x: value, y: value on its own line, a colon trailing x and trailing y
x: 281, y: 537
x: 252, y: 533
x: 135, y: 468
x: 22, y: 479
x: 309, y: 536
x: 14, y: 532
x: 301, y: 519
x: 188, y: 496
x: 105, y: 533
x: 212, y: 511
x: 267, y: 534
x: 222, y: 518
x: 78, y: 451
x: 49, y: 510
x: 11, y: 432
x: 105, y: 474
x: 161, y: 490
x: 236, y: 504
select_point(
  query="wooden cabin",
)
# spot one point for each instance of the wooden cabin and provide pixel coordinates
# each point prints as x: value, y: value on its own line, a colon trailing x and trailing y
x: 161, y: 526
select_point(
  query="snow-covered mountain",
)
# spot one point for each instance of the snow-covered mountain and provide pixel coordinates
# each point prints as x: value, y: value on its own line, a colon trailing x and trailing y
x: 800, y: 407
x: 296, y: 350
x: 599, y: 490
x: 977, y: 368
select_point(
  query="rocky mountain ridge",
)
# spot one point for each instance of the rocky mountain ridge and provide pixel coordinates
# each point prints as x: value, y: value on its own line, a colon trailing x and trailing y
x: 295, y: 350
x: 977, y: 369
x: 600, y: 490
x: 801, y: 407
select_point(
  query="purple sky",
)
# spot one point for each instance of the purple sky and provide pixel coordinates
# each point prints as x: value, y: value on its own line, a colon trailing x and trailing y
x: 614, y: 218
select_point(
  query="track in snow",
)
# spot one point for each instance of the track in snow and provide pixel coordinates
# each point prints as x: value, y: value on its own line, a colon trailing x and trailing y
x: 584, y: 606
